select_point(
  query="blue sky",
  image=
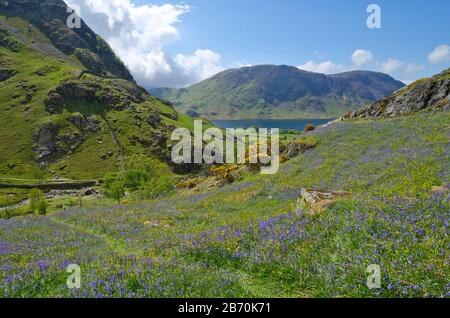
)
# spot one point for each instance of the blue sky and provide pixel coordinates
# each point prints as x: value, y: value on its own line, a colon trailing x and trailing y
x: 302, y: 33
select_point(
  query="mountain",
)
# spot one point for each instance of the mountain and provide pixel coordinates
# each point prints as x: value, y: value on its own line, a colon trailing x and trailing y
x: 284, y: 92
x: 428, y: 94
x: 69, y: 108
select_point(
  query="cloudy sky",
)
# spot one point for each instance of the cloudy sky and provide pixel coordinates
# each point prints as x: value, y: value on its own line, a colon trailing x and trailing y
x: 175, y: 44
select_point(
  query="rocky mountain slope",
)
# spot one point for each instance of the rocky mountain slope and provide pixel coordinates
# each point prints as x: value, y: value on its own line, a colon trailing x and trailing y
x: 269, y: 91
x: 430, y: 94
x: 69, y: 107
x: 50, y: 18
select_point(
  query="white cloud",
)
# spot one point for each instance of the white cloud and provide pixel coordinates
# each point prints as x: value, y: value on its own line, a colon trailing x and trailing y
x: 327, y: 67
x: 394, y: 67
x: 359, y: 58
x: 240, y: 64
x: 390, y: 66
x: 362, y: 57
x: 201, y: 65
x: 398, y: 68
x: 412, y: 69
x: 440, y: 54
x: 139, y: 35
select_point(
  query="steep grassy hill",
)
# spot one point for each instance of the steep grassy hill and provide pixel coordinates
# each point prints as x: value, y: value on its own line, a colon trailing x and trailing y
x: 279, y: 92
x: 249, y: 238
x: 68, y: 106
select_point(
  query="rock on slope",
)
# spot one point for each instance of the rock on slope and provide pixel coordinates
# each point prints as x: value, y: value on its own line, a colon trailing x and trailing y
x: 68, y: 105
x: 269, y: 91
x: 431, y: 94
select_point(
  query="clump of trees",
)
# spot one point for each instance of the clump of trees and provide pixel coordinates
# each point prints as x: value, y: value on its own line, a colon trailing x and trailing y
x: 38, y: 204
x: 141, y: 176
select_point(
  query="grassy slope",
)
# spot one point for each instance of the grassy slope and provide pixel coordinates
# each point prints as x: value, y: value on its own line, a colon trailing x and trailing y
x: 16, y: 124
x: 247, y: 239
x: 21, y: 118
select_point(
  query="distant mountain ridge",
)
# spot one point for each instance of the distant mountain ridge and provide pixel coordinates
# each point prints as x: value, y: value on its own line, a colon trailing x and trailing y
x: 281, y: 92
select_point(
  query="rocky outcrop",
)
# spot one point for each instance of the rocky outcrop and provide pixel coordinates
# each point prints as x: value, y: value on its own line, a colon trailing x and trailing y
x: 87, y: 191
x: 431, y: 94
x: 6, y: 73
x: 70, y: 142
x: 193, y: 113
x: 7, y: 41
x: 45, y: 139
x: 316, y: 201
x: 92, y: 62
x: 88, y: 124
x: 109, y: 93
x: 50, y: 145
x: 297, y: 147
x: 154, y: 120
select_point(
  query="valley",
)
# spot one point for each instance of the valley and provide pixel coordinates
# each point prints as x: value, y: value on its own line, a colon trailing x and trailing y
x: 88, y: 176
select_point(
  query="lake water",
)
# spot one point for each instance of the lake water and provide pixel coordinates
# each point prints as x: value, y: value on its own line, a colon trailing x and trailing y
x: 298, y: 124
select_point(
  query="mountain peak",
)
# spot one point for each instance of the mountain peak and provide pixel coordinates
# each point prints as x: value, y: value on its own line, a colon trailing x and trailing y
x: 50, y: 17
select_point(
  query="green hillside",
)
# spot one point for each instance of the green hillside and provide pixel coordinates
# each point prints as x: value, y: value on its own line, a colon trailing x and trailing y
x: 69, y: 108
x: 279, y: 92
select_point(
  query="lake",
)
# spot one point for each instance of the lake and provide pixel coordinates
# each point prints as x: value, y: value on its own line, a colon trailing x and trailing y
x: 298, y: 124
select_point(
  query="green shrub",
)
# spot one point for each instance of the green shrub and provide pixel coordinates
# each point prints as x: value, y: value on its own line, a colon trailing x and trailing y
x: 5, y: 214
x: 152, y: 167
x: 35, y: 197
x: 71, y: 202
x: 42, y: 207
x: 309, y: 127
x: 145, y: 177
x: 157, y: 187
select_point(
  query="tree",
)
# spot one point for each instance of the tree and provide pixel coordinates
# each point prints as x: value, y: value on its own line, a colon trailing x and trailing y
x: 134, y: 178
x: 116, y: 190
